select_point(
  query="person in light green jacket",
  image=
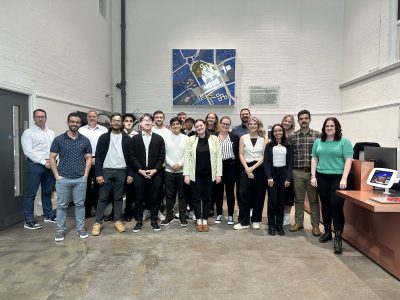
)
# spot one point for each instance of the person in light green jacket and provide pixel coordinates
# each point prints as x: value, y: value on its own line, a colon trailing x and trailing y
x: 203, y: 166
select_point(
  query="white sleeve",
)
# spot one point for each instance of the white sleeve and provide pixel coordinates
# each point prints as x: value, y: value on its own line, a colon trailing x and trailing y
x: 27, y: 144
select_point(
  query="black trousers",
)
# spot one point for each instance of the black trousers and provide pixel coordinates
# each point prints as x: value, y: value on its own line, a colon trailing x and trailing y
x: 92, y: 193
x: 276, y: 197
x: 201, y: 193
x: 114, y: 180
x: 229, y: 176
x: 331, y: 204
x: 151, y: 188
x: 252, y: 194
x: 173, y: 186
x: 130, y: 198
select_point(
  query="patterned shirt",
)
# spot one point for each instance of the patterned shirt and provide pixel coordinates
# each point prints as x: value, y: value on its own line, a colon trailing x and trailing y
x: 302, y: 146
x: 71, y: 155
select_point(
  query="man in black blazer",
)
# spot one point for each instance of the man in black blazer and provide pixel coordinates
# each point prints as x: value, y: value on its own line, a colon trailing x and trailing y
x: 147, y: 155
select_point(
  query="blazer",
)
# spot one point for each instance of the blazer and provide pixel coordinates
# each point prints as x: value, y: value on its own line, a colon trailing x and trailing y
x: 137, y: 152
x: 268, y: 162
x: 235, y: 143
x: 189, y: 167
x: 102, y: 148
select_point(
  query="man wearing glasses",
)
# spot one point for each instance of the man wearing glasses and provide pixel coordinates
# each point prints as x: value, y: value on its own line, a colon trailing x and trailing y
x: 111, y: 171
x: 36, y: 142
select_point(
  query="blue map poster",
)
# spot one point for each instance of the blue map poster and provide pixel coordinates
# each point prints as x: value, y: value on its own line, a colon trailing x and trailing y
x: 203, y: 77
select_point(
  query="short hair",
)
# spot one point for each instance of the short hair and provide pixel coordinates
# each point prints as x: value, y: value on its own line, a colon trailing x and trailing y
x: 74, y: 114
x: 189, y: 119
x: 174, y: 119
x: 116, y: 115
x: 274, y: 142
x: 181, y: 113
x: 128, y: 115
x: 41, y: 110
x: 303, y: 112
x: 92, y: 110
x: 223, y: 118
x: 338, y: 129
x: 244, y: 109
x: 146, y: 115
x: 158, y: 112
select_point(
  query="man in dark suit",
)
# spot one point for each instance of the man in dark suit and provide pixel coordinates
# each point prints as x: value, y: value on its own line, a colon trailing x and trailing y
x: 147, y: 155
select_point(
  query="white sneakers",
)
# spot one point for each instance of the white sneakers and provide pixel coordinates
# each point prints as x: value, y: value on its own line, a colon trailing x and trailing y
x: 286, y: 219
x: 239, y: 226
x: 256, y: 225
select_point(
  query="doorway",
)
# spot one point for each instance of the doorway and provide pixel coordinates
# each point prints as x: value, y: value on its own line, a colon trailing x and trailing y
x: 14, y: 115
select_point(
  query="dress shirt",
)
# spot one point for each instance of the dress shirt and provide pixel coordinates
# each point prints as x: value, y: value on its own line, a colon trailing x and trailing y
x: 146, y: 140
x: 36, y: 143
x: 132, y: 133
x: 93, y: 135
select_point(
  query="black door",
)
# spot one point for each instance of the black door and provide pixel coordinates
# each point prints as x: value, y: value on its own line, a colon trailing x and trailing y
x: 14, y: 116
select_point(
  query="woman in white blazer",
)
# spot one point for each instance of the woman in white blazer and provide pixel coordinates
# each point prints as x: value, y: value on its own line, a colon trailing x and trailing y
x: 203, y: 166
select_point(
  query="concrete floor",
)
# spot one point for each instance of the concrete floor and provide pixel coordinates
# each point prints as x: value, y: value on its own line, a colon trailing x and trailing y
x: 179, y: 263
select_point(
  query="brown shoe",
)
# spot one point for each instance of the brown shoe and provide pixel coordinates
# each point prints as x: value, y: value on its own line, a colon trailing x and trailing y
x: 316, y: 231
x: 96, y: 229
x: 205, y: 228
x: 119, y: 226
x: 296, y: 227
x: 199, y: 228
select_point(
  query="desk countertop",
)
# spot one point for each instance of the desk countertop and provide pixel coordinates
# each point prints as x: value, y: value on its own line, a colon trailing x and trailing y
x: 362, y: 198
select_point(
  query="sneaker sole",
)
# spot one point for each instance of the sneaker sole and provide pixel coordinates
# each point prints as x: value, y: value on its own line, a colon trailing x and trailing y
x: 32, y: 228
x: 157, y: 229
x: 165, y: 224
x: 217, y: 222
x: 184, y: 225
x: 59, y: 240
x: 136, y: 230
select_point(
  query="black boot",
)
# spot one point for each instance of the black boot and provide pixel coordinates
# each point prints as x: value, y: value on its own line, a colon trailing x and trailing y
x: 327, y: 234
x: 337, y: 243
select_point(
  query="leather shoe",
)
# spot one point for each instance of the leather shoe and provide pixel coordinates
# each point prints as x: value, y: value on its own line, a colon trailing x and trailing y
x: 316, y: 231
x: 199, y: 228
x: 128, y: 218
x: 296, y: 227
x: 280, y: 230
x: 271, y: 231
x: 206, y: 228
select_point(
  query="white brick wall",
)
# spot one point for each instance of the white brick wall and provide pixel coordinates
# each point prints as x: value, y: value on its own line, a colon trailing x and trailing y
x: 59, y: 49
x: 295, y: 44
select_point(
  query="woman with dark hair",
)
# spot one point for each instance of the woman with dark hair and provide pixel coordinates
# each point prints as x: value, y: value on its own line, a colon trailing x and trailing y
x: 278, y: 167
x: 330, y: 166
x: 203, y: 166
x: 252, y: 178
x: 212, y: 122
x: 230, y: 149
x: 289, y: 125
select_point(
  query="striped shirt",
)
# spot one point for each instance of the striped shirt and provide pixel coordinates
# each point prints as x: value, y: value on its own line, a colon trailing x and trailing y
x: 302, y: 145
x: 226, y: 147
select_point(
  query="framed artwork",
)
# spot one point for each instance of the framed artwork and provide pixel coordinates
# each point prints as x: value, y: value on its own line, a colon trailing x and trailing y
x: 203, y: 77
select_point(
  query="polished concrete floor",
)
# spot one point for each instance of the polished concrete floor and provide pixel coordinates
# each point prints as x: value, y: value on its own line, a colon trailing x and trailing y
x: 179, y: 263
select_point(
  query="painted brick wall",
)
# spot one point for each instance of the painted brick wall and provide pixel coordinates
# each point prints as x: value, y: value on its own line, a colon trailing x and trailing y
x: 294, y: 44
x: 57, y: 49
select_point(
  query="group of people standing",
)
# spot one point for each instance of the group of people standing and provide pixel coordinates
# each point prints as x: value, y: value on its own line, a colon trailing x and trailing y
x: 196, y: 161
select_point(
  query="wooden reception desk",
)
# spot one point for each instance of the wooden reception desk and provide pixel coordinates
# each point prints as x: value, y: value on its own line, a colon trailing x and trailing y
x: 373, y: 228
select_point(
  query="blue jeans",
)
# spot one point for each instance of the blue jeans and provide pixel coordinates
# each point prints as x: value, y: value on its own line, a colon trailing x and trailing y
x: 67, y: 188
x: 36, y: 174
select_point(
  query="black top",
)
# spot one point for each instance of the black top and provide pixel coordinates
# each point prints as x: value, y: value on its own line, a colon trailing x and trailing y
x: 203, y: 160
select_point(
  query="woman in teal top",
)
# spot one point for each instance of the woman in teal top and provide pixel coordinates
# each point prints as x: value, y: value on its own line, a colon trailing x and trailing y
x: 330, y: 166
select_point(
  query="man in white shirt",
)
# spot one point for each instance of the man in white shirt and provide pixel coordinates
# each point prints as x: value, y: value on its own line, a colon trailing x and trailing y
x: 92, y: 131
x: 36, y: 142
x: 175, y: 144
x: 112, y: 171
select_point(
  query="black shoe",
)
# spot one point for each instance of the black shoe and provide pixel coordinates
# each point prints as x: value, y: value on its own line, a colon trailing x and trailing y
x: 167, y: 221
x: 108, y: 218
x: 183, y: 221
x: 337, y: 243
x: 32, y: 225
x: 155, y: 226
x: 271, y: 231
x: 279, y: 230
x: 128, y: 218
x: 325, y: 237
x: 137, y: 227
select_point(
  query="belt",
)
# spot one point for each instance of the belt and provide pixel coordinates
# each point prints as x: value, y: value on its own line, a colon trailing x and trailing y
x: 304, y: 169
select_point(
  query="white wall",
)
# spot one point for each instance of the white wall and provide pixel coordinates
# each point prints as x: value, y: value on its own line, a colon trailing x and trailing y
x: 370, y: 107
x: 57, y: 51
x: 294, y: 44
